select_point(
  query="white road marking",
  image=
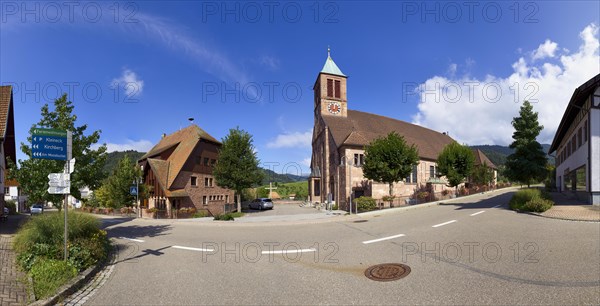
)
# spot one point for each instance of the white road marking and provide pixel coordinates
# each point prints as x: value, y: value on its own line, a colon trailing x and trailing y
x: 384, y: 238
x: 192, y: 249
x: 289, y: 251
x: 136, y: 240
x: 442, y: 224
x: 497, y: 206
x: 477, y: 213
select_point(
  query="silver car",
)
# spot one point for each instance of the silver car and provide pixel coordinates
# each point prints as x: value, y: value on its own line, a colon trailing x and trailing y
x: 261, y: 203
x: 36, y: 209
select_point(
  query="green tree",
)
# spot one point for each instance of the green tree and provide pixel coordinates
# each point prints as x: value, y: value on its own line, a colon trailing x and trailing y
x: 116, y: 193
x: 455, y: 162
x: 528, y: 162
x: 482, y: 174
x: 32, y: 174
x: 237, y: 167
x: 389, y: 160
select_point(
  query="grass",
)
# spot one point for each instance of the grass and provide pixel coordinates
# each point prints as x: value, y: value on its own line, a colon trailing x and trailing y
x: 40, y: 249
x: 531, y: 199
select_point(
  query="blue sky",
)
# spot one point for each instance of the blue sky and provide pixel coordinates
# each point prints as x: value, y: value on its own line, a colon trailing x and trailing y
x: 253, y: 64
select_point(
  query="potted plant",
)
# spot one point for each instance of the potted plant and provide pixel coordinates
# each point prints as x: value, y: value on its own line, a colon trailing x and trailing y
x: 152, y: 212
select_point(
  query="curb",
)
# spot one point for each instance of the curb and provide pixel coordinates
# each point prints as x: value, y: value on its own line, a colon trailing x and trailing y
x: 75, y: 284
x: 560, y: 218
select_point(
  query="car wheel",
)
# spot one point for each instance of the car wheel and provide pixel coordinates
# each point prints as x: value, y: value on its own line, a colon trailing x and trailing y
x: 259, y: 207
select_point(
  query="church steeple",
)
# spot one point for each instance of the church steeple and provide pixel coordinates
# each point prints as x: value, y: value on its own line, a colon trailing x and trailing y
x: 330, y: 90
x: 330, y: 67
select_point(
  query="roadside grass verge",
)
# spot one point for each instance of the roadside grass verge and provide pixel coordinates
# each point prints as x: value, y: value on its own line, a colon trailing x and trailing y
x: 532, y: 200
x: 40, y: 249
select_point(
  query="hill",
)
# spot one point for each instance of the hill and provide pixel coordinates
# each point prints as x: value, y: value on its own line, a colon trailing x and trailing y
x: 269, y: 176
x: 113, y: 159
x: 497, y: 154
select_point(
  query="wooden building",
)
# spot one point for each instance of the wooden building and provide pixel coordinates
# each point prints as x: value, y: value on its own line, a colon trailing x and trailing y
x: 178, y: 172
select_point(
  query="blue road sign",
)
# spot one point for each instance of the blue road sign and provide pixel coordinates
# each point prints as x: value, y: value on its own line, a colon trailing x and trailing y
x: 133, y: 190
x: 49, y: 144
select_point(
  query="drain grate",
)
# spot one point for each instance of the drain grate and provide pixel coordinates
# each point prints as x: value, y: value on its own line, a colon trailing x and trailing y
x: 360, y: 221
x: 387, y: 272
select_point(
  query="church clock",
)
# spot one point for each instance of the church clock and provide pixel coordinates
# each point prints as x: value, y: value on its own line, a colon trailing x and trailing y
x: 334, y: 108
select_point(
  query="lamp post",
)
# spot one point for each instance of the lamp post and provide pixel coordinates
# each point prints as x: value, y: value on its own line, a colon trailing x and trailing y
x: 343, y: 163
x: 137, y: 182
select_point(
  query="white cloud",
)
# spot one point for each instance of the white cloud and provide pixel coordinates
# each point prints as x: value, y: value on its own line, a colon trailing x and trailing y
x: 140, y: 146
x: 547, y: 49
x: 480, y: 110
x: 130, y: 83
x: 306, y: 162
x: 291, y: 140
x: 270, y: 62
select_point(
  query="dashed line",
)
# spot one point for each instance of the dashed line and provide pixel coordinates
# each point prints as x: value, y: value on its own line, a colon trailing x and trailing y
x: 477, y: 213
x: 131, y: 239
x: 497, y: 206
x: 192, y: 249
x: 442, y: 224
x: 289, y: 251
x: 383, y: 239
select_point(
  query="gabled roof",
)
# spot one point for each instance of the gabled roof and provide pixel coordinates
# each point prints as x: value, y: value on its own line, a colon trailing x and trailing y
x: 183, y: 143
x: 360, y: 128
x: 578, y: 98
x: 330, y: 67
x: 5, y: 106
x: 481, y: 158
x: 7, y: 123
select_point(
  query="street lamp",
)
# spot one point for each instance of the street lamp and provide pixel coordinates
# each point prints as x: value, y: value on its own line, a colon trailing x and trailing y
x: 343, y: 163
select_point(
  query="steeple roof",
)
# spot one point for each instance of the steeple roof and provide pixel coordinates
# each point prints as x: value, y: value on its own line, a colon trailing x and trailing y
x: 330, y: 67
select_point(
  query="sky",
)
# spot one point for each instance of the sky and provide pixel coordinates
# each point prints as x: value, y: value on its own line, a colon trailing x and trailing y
x: 138, y: 69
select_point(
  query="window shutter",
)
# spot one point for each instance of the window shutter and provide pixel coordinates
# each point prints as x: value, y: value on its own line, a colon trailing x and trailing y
x: 337, y: 89
x: 329, y: 87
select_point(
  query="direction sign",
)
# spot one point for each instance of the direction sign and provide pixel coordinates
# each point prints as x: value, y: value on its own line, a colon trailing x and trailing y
x: 59, y: 176
x: 59, y: 190
x: 51, y: 144
x: 65, y: 184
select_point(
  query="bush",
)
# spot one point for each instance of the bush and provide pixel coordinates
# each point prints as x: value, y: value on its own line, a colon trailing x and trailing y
x: 49, y: 275
x: 365, y: 203
x: 531, y: 200
x: 41, y: 239
x: 12, y: 207
x: 200, y: 214
x: 538, y: 205
x: 224, y: 217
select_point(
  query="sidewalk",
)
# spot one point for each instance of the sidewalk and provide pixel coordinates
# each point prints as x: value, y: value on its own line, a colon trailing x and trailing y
x: 567, y: 208
x: 13, y: 290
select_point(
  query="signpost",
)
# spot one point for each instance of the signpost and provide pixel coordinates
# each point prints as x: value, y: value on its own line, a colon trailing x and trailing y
x: 56, y: 145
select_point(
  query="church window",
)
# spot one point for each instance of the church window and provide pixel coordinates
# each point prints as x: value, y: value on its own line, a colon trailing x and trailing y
x: 329, y: 87
x: 337, y: 89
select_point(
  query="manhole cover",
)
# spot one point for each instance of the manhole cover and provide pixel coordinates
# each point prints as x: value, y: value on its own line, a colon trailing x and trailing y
x: 387, y: 272
x: 360, y: 221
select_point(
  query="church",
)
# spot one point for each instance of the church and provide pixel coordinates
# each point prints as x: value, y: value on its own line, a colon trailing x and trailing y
x: 338, y: 141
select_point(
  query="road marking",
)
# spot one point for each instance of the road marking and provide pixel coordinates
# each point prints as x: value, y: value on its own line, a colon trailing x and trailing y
x: 136, y: 240
x: 384, y: 238
x: 192, y: 249
x: 289, y: 251
x: 442, y: 224
x: 477, y: 213
x: 497, y: 206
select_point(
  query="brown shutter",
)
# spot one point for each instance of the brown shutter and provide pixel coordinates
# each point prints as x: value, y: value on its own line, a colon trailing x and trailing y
x: 337, y: 89
x: 329, y: 87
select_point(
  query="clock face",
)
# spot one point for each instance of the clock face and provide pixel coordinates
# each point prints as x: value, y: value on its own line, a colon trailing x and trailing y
x: 334, y: 108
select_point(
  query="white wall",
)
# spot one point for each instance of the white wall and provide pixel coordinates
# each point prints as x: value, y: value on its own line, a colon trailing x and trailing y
x: 595, y: 155
x: 577, y: 159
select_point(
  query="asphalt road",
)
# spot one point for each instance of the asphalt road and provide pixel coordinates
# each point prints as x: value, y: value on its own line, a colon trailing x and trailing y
x: 473, y: 252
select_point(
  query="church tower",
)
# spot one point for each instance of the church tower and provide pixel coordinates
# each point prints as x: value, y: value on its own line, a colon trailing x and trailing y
x: 330, y: 90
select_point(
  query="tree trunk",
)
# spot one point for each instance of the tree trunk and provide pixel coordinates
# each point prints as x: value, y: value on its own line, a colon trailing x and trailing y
x: 239, y: 202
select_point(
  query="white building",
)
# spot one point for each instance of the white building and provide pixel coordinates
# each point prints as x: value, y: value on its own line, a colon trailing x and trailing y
x: 577, y: 144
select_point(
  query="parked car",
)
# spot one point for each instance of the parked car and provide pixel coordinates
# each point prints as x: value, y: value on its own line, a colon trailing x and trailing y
x: 261, y: 203
x: 36, y: 209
